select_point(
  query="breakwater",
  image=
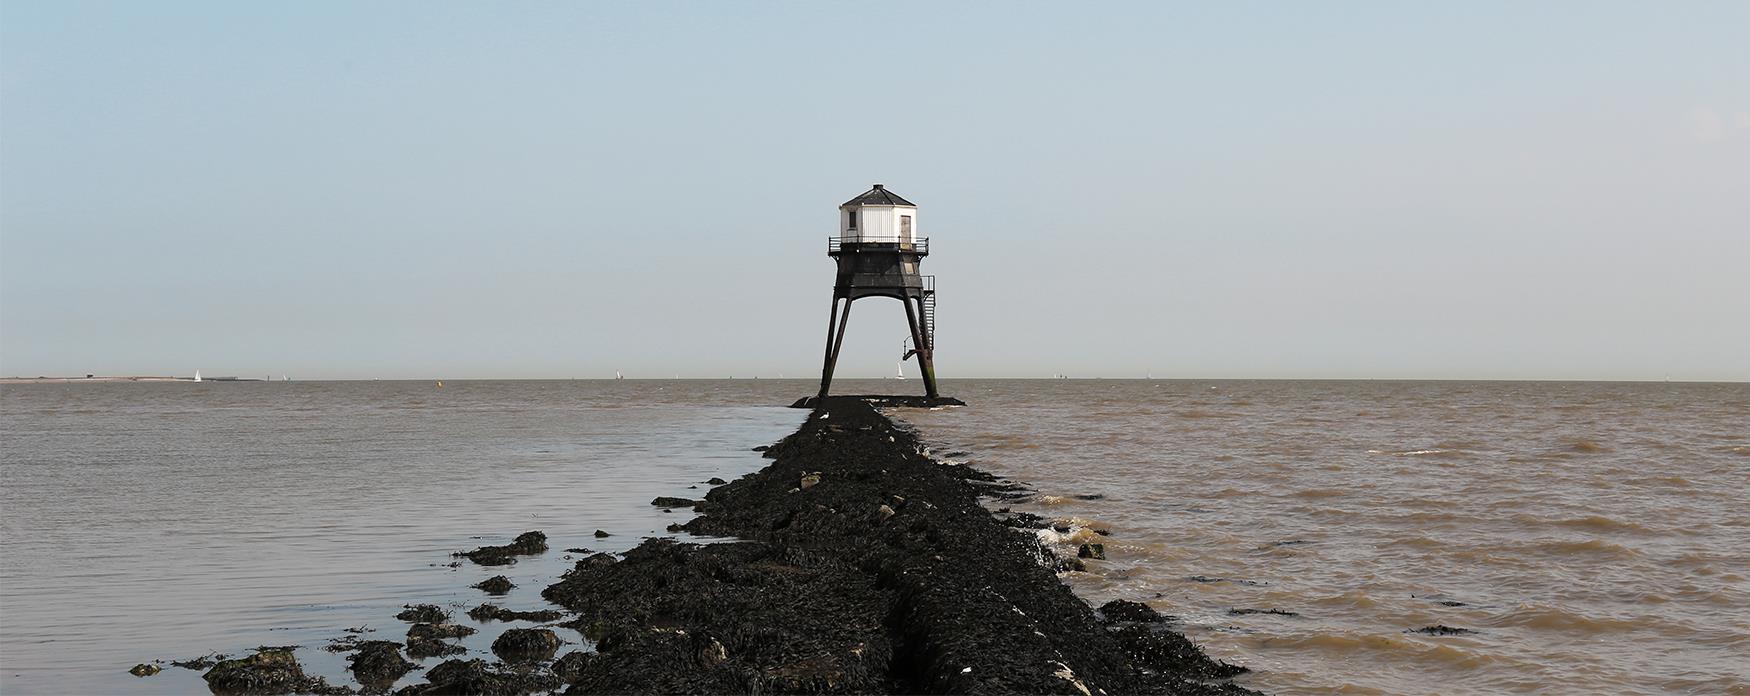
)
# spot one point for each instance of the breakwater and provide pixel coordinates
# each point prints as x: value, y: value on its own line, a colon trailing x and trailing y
x: 864, y: 567
x: 858, y: 564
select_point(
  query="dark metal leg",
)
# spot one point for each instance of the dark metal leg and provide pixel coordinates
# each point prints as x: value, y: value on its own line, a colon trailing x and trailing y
x: 834, y: 339
x: 926, y: 354
x: 925, y: 351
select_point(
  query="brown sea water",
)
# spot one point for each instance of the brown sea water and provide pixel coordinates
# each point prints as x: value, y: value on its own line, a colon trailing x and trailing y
x: 1591, y: 534
x: 1595, y: 536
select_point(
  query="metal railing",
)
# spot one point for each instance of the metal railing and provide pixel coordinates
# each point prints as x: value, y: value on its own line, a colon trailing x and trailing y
x: 921, y: 245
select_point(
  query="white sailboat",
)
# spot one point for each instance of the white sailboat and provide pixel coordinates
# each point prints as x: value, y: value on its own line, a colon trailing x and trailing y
x: 899, y: 370
x: 197, y: 375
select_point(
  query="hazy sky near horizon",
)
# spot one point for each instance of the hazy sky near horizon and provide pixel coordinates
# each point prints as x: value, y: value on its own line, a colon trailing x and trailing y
x: 1551, y: 190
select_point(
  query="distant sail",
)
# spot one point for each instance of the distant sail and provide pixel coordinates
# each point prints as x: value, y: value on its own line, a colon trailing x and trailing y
x: 899, y: 370
x: 197, y: 375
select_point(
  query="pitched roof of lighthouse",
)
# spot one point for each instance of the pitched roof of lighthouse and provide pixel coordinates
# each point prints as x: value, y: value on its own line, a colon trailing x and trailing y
x: 878, y: 196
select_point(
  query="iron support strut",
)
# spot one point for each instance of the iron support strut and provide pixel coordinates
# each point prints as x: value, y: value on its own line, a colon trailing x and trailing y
x: 834, y: 340
x: 924, y: 351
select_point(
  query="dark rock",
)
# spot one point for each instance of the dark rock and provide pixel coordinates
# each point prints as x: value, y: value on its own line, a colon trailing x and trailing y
x: 1244, y: 612
x: 421, y: 648
x: 1095, y: 551
x: 145, y: 670
x: 1167, y: 652
x: 674, y: 527
x: 478, y: 677
x: 599, y: 534
x: 669, y: 502
x: 1439, y: 630
x: 943, y: 597
x: 569, y: 667
x: 1091, y: 496
x: 526, y: 544
x: 378, y: 664
x: 526, y: 645
x: 491, y: 612
x: 267, y: 671
x: 714, y: 481
x: 578, y: 549
x: 495, y: 585
x: 762, y: 448
x: 1126, y: 610
x: 439, y: 631
x: 1450, y: 603
x: 423, y: 613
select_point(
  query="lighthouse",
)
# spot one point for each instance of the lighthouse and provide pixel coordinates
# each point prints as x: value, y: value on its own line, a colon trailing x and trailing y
x: 878, y: 250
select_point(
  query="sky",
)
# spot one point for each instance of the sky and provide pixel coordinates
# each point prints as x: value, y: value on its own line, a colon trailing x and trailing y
x: 1460, y: 190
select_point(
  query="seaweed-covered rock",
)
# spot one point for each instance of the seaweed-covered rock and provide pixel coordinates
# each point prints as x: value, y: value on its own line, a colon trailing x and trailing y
x: 439, y: 631
x: 569, y: 667
x: 423, y: 613
x: 267, y: 671
x: 1126, y: 610
x: 493, y: 612
x: 828, y: 593
x: 421, y: 648
x: 1167, y: 652
x: 599, y: 534
x: 478, y: 677
x: 145, y: 669
x: 664, y: 501
x: 495, y: 585
x: 527, y: 543
x: 526, y: 644
x: 378, y: 663
x: 1095, y: 551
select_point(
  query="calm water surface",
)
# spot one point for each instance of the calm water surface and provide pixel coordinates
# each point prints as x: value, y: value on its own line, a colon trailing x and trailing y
x: 1595, y: 536
x: 1591, y: 534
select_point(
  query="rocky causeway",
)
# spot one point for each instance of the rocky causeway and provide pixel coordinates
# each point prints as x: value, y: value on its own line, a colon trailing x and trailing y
x: 863, y: 566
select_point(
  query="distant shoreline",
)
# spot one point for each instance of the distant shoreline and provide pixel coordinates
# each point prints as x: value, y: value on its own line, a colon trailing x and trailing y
x: 138, y: 378
x: 58, y: 380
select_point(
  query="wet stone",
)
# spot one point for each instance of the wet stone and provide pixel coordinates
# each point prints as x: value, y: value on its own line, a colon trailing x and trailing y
x: 423, y: 613
x: 478, y: 677
x: 526, y: 544
x: 1095, y: 551
x: 495, y: 585
x: 267, y: 671
x: 439, y: 631
x: 492, y: 612
x: 378, y: 664
x: 664, y: 501
x: 526, y: 645
x: 570, y: 666
x: 599, y: 534
x: 714, y: 481
x: 145, y: 669
x: 1126, y: 610
x: 1169, y: 652
x: 421, y: 648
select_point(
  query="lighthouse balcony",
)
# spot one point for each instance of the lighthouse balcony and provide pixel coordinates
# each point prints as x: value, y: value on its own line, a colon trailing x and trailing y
x: 913, y: 245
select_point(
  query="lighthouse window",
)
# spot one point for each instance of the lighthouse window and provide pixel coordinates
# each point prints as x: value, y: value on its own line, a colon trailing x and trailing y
x: 853, y: 217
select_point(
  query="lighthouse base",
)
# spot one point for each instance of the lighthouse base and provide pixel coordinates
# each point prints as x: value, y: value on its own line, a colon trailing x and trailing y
x: 880, y: 401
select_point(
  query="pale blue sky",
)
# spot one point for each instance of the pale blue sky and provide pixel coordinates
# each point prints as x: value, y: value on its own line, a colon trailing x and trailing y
x: 1460, y: 190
